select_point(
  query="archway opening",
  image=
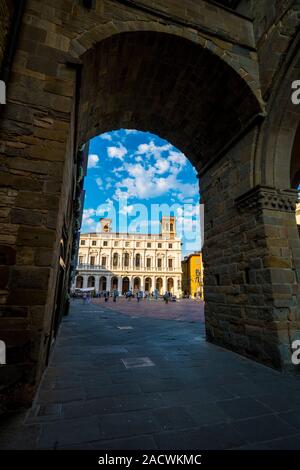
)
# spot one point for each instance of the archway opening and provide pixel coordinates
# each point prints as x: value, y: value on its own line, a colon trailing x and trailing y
x: 91, y: 281
x: 79, y: 282
x: 170, y: 285
x: 136, y: 284
x: 102, y: 284
x: 114, y: 283
x: 159, y: 285
x: 125, y: 285
x: 148, y: 284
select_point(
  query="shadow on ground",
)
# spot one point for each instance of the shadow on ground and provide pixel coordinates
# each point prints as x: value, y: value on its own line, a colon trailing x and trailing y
x: 126, y: 381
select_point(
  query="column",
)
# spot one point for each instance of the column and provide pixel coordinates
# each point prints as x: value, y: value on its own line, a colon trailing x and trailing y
x: 262, y: 257
x: 142, y: 282
x: 85, y: 280
x: 108, y: 282
x: 153, y: 283
x: 120, y: 284
x: 97, y: 279
x: 164, y: 284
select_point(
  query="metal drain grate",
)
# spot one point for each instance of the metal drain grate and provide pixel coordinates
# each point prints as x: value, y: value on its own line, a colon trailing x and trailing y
x: 134, y: 362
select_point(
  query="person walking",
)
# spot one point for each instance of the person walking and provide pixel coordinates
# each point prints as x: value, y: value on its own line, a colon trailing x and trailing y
x: 166, y: 297
x: 115, y: 295
x: 106, y: 296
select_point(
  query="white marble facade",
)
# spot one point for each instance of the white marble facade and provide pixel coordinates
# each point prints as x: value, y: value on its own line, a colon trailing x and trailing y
x: 108, y: 260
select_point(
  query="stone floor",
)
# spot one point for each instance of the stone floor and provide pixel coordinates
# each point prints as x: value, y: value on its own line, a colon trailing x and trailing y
x: 122, y: 380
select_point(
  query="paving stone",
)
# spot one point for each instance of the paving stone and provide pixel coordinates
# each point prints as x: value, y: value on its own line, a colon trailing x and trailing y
x: 175, y: 417
x: 220, y: 436
x: 89, y: 408
x: 239, y: 408
x: 181, y: 403
x: 263, y: 428
x: 75, y: 431
x: 128, y: 424
x: 132, y: 443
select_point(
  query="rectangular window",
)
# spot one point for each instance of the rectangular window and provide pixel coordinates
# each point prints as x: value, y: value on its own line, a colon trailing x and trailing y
x: 148, y: 245
x: 148, y: 262
x: 92, y: 260
x: 116, y: 243
x: 159, y: 263
x: 170, y: 245
x: 137, y: 243
x: 103, y: 262
x: 82, y: 242
x: 170, y: 263
x: 94, y: 242
x: 104, y: 243
x: 159, y: 245
x: 127, y: 243
x: 80, y: 259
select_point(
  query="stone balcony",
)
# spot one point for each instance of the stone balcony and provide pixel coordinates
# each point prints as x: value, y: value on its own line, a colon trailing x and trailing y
x: 145, y: 270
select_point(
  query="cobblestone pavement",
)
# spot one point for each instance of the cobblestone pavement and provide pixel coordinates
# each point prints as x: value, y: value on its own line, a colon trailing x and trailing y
x: 123, y: 381
x: 181, y: 310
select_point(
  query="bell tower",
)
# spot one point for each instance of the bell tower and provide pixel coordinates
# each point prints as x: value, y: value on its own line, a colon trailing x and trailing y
x: 105, y: 225
x: 168, y: 227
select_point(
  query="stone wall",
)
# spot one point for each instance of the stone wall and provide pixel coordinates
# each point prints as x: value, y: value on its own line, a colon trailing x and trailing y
x: 251, y: 259
x: 40, y: 161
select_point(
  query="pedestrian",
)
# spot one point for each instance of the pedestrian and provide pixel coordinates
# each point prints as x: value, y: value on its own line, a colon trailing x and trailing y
x: 166, y: 297
x: 115, y: 295
x: 106, y: 296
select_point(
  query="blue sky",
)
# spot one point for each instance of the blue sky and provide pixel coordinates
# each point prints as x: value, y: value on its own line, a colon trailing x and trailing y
x: 135, y: 178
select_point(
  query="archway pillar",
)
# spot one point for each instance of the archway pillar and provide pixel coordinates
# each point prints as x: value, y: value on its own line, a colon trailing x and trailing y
x: 253, y: 291
x: 85, y: 281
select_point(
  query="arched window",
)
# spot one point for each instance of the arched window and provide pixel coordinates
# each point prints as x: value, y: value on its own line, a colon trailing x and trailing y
x: 115, y: 260
x: 126, y: 260
x: 91, y: 281
x: 138, y: 260
x: 79, y: 282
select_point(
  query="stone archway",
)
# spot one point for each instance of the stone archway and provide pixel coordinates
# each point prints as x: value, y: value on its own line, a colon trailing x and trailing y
x: 170, y: 285
x: 159, y: 285
x: 102, y: 283
x: 91, y: 281
x: 178, y: 81
x: 114, y: 283
x: 79, y: 282
x: 125, y: 285
x: 148, y: 284
x: 136, y: 283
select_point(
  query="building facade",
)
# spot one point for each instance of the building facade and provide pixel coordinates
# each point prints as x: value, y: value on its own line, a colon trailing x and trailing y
x: 123, y: 261
x: 192, y: 275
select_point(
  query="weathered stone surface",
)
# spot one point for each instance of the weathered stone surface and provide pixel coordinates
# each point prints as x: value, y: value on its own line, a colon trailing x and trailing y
x: 194, y: 73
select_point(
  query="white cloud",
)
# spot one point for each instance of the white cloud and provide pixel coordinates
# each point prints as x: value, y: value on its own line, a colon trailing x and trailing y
x: 99, y: 183
x: 177, y: 157
x: 152, y: 150
x: 162, y: 166
x: 117, y: 152
x: 130, y: 131
x: 93, y: 160
x: 106, y: 136
x: 126, y: 209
